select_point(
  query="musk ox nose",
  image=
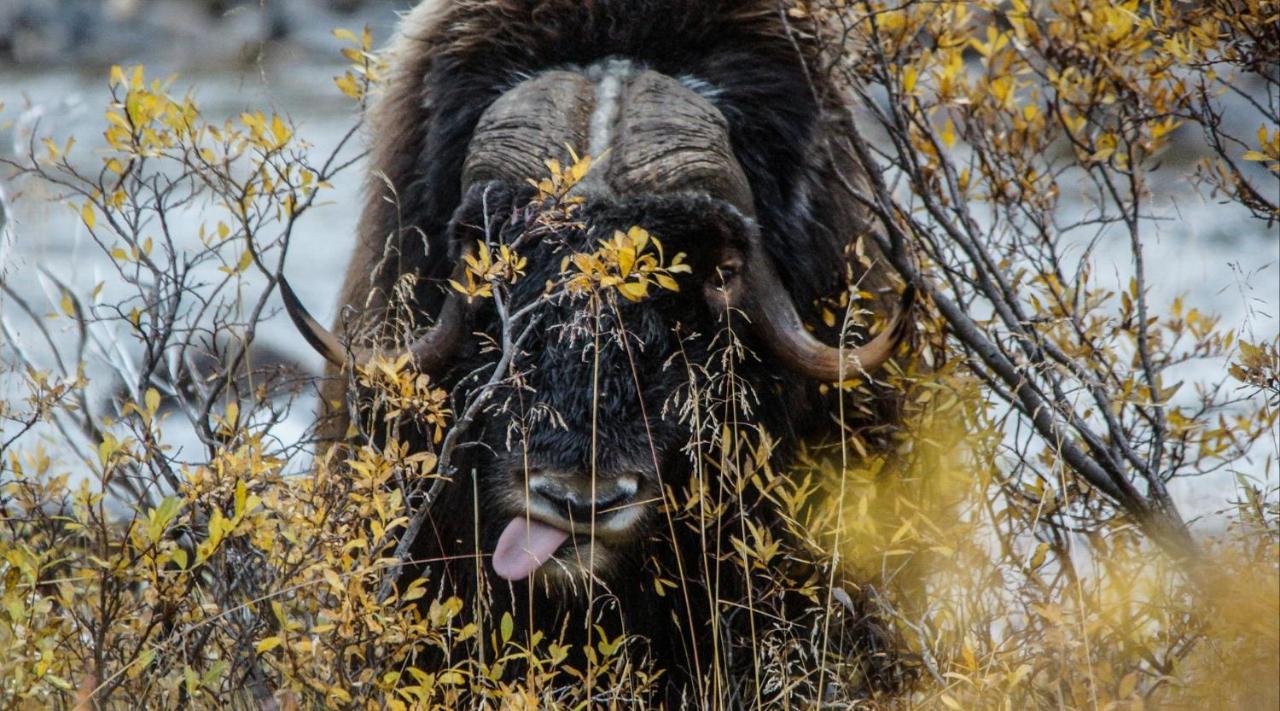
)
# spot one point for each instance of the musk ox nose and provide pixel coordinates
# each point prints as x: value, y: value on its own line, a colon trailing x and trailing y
x: 576, y: 499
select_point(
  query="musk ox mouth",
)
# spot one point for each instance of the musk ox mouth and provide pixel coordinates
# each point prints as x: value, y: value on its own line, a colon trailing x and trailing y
x: 529, y: 541
x: 525, y: 544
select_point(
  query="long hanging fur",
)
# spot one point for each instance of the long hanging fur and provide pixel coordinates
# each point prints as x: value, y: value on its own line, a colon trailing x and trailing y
x: 452, y: 59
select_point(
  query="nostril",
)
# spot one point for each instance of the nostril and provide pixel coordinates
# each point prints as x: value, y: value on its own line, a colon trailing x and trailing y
x: 617, y: 491
x: 617, y: 497
x: 581, y: 502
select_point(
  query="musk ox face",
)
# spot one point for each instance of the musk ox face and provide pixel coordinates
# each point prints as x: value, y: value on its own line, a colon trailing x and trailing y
x: 575, y: 455
x: 578, y: 453
x: 580, y: 450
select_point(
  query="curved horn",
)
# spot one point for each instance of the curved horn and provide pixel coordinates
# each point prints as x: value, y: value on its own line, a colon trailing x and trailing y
x: 762, y: 297
x: 317, y: 336
x: 427, y: 353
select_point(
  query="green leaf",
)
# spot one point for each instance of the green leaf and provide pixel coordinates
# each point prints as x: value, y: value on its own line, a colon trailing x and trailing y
x: 506, y: 627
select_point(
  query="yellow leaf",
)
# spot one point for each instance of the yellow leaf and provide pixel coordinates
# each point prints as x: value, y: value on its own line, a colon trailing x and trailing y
x: 639, y: 237
x: 949, y: 134
x: 909, y: 79
x: 1127, y: 685
x: 86, y: 214
x: 280, y: 130
x: 584, y: 263
x: 506, y: 627
x: 450, y: 678
x: 626, y: 260
x: 152, y: 399
x: 267, y: 644
x: 634, y: 291
x: 1038, y: 558
x: 68, y: 306
x: 580, y: 168
x: 118, y: 121
x: 413, y: 594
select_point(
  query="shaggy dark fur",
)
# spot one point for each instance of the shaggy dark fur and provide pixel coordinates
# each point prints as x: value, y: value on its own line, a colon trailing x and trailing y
x: 455, y: 59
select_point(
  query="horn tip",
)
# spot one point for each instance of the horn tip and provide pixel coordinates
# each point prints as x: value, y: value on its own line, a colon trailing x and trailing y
x: 900, y: 326
x: 311, y: 331
x: 908, y: 298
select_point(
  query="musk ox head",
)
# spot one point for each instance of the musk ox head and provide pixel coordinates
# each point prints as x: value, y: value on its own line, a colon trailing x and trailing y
x: 576, y: 451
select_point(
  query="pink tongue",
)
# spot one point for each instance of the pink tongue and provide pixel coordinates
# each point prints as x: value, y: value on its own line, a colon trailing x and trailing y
x: 523, y: 546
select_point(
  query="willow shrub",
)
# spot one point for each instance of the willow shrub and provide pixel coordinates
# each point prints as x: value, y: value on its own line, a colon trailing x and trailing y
x: 1020, y: 537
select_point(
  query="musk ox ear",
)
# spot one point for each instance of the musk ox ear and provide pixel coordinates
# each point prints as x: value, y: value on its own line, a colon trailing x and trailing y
x: 488, y: 208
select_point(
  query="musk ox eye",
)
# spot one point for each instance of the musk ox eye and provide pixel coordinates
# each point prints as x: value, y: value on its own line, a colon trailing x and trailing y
x: 728, y: 271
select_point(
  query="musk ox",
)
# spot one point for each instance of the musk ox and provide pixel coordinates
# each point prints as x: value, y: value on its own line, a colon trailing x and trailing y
x: 709, y: 130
